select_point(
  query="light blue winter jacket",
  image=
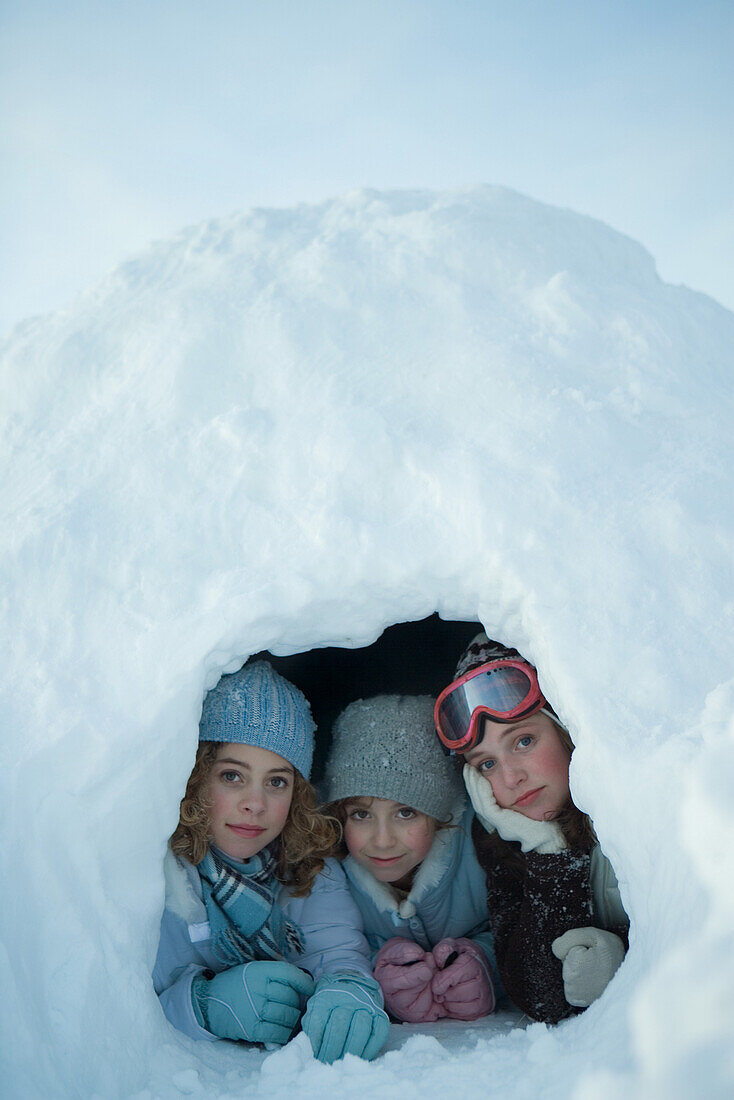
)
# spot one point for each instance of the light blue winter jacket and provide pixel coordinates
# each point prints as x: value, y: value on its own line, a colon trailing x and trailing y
x: 448, y: 896
x: 609, y: 912
x: 329, y: 921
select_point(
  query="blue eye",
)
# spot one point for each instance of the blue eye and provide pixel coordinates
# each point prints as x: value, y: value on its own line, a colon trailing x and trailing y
x: 485, y: 765
x: 525, y: 742
x: 229, y: 777
x: 279, y: 782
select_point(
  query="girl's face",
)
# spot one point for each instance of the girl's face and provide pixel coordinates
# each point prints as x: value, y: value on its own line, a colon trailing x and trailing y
x: 249, y: 794
x: 388, y: 838
x: 526, y: 764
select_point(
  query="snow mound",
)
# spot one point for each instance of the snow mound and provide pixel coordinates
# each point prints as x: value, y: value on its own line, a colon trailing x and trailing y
x: 290, y: 429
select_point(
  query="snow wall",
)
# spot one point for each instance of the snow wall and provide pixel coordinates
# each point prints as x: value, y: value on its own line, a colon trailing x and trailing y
x: 291, y: 429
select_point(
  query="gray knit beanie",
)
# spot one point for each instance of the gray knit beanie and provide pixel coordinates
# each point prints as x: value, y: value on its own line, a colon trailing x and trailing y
x: 257, y: 706
x: 386, y: 747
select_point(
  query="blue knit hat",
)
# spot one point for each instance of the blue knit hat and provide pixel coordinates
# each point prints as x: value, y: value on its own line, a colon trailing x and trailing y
x: 257, y: 706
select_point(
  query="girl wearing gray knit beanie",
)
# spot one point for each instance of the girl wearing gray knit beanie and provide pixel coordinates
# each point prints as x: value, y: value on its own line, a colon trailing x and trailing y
x: 409, y: 860
x: 259, y: 932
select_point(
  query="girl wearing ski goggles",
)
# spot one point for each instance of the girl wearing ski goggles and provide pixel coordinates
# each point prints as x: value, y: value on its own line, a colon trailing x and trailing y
x: 559, y: 927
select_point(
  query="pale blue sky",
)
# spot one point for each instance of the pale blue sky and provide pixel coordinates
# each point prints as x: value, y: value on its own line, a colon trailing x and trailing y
x: 124, y: 121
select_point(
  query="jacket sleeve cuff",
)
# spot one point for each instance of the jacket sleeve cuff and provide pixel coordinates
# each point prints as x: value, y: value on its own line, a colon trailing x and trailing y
x: 178, y: 1006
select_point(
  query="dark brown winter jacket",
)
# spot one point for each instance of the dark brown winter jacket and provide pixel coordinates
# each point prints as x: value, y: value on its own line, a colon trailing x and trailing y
x: 532, y: 899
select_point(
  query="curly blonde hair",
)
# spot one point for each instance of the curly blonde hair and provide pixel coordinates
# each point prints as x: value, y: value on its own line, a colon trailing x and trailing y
x: 308, y: 836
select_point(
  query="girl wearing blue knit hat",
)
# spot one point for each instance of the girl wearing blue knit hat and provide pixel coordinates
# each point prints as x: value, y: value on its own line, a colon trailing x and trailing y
x: 409, y: 860
x: 259, y: 931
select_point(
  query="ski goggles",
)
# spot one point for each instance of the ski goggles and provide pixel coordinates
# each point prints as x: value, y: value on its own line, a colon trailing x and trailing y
x: 504, y: 690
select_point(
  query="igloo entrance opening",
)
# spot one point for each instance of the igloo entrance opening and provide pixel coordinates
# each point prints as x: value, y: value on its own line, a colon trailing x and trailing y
x: 409, y: 659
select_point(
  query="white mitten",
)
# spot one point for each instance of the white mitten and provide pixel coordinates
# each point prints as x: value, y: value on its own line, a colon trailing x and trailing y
x: 544, y: 837
x: 590, y: 958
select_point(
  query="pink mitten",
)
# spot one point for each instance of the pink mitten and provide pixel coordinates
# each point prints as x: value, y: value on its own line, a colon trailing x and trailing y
x: 404, y: 971
x: 463, y: 983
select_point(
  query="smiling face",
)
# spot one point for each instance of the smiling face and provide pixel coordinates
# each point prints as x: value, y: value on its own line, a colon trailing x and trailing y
x: 388, y: 838
x: 248, y: 796
x: 526, y: 764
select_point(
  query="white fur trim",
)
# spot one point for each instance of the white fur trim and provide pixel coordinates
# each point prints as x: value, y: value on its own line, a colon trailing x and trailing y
x: 381, y: 895
x: 181, y: 895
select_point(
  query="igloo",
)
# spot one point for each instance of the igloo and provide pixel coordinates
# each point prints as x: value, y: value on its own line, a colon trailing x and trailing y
x: 289, y: 430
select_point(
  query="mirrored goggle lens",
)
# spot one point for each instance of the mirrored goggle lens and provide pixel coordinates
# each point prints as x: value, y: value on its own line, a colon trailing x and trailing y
x: 500, y: 690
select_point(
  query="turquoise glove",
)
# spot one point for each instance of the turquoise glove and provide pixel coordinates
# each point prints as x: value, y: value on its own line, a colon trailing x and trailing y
x: 257, y: 1001
x: 345, y: 1016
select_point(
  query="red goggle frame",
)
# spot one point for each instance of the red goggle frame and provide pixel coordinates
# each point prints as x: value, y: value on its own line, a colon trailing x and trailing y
x: 502, y: 689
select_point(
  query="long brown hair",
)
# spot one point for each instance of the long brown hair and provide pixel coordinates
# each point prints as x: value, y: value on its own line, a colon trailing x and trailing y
x: 308, y: 836
x: 575, y: 825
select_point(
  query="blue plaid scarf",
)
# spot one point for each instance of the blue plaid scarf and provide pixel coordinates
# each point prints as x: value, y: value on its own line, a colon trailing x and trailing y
x: 245, y: 920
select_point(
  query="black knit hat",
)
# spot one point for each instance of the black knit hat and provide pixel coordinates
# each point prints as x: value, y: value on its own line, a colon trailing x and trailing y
x: 482, y: 649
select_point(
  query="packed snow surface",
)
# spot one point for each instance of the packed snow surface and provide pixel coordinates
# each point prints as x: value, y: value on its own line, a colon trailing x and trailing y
x: 290, y: 429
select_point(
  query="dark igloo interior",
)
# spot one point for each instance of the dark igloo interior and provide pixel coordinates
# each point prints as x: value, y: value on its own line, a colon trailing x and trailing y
x: 416, y: 658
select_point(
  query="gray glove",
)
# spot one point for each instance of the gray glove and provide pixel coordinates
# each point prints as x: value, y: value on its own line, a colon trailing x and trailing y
x: 590, y: 958
x: 544, y: 837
